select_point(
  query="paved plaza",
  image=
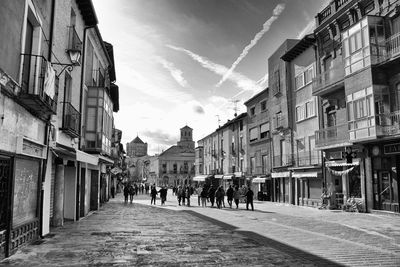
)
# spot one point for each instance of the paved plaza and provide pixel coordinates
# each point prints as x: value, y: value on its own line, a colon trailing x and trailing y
x: 137, y: 234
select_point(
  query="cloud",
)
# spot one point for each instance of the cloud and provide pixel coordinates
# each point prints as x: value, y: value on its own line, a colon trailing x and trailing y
x: 240, y: 80
x: 160, y: 137
x: 175, y: 73
x: 198, y: 109
x: 267, y: 25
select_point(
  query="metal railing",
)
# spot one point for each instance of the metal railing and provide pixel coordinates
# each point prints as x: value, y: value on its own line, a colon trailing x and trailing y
x: 388, y: 123
x: 393, y: 45
x: 328, y: 77
x: 306, y: 158
x: 71, y: 119
x: 283, y: 160
x: 332, y: 135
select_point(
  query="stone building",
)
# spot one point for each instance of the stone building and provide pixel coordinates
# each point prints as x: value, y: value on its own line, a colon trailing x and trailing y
x: 136, y: 148
x: 176, y: 164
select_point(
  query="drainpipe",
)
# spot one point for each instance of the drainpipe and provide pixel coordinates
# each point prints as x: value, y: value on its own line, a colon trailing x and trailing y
x: 48, y: 126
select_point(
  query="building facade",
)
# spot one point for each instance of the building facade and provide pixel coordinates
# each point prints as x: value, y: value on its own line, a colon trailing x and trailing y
x: 358, y: 81
x: 176, y: 164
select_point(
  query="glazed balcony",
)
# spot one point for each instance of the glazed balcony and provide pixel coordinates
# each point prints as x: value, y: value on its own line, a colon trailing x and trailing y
x: 71, y: 119
x: 388, y: 124
x: 38, y: 94
x: 332, y: 136
x: 329, y: 80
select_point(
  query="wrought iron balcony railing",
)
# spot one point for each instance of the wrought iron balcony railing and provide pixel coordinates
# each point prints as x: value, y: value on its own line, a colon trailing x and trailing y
x: 71, y: 119
x: 38, y: 91
x: 283, y: 160
x: 307, y: 158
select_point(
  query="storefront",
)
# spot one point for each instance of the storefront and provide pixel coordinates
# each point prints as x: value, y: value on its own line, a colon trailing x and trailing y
x: 282, y: 187
x: 385, y: 165
x: 262, y: 187
x: 309, y: 186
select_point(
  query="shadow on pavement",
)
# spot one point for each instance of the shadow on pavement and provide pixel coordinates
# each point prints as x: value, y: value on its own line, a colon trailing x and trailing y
x: 268, y: 242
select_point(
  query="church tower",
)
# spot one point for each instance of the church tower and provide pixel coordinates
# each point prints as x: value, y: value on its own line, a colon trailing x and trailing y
x: 186, y: 138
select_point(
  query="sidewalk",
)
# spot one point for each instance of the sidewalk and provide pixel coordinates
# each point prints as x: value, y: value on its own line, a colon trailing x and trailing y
x: 356, y: 239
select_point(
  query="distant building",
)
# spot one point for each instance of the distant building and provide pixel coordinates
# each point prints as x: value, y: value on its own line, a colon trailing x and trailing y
x: 136, y: 148
x: 176, y: 164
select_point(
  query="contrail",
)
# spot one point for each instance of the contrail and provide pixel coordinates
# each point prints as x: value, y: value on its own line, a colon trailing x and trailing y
x: 241, y: 81
x: 267, y: 25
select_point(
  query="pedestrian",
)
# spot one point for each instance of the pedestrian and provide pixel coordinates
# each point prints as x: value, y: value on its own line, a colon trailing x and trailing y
x: 163, y: 194
x: 187, y: 195
x: 126, y: 193
x: 183, y: 197
x: 236, y: 196
x: 219, y: 196
x: 153, y: 193
x: 211, y: 195
x: 112, y: 191
x: 131, y: 192
x: 146, y: 187
x: 179, y: 194
x: 229, y: 194
x: 136, y: 189
x: 142, y: 189
x: 198, y: 192
x: 204, y: 195
x: 249, y: 199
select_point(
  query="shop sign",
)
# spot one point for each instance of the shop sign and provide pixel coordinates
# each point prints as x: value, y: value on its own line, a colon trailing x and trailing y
x: 392, y: 149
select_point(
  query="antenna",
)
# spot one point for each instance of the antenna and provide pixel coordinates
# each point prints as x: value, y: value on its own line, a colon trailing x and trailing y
x: 218, y: 119
x: 235, y: 101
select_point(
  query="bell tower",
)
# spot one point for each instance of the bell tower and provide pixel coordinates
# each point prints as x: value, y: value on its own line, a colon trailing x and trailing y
x: 186, y: 137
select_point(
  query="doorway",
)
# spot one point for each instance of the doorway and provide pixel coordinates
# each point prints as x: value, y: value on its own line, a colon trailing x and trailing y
x: 5, y: 182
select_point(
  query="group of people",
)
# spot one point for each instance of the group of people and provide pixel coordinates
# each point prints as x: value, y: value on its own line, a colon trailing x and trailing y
x: 132, y: 189
x: 217, y: 196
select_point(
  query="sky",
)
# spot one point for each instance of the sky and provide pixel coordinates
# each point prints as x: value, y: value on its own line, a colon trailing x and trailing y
x: 191, y: 62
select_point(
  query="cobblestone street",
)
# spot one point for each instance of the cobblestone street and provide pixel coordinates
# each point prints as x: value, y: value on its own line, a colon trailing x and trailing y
x: 140, y: 235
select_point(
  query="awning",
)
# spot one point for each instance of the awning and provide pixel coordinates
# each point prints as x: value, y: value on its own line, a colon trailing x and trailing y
x: 306, y: 174
x: 218, y: 176
x: 105, y: 160
x: 227, y: 177
x: 334, y: 163
x: 200, y: 178
x: 280, y: 174
x: 61, y: 152
x: 238, y: 174
x: 87, y: 158
x: 258, y: 180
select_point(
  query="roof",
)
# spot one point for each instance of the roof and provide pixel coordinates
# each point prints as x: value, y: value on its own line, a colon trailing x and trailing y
x: 257, y: 95
x: 88, y: 13
x: 110, y: 52
x: 186, y: 127
x: 299, y: 48
x: 137, y: 140
x: 175, y: 150
x: 230, y: 122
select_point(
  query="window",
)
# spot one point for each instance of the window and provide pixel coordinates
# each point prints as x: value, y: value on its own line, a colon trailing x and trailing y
x: 276, y: 82
x: 299, y: 80
x: 241, y: 143
x: 278, y: 119
x: 67, y: 87
x: 164, y: 168
x: 300, y: 113
x: 241, y: 125
x: 310, y: 108
x: 253, y: 134
x: 263, y: 105
x: 308, y: 75
x: 306, y: 110
x: 252, y: 111
x: 252, y: 165
x: 304, y: 77
x: 265, y: 164
x: 264, y: 130
x: 175, y: 168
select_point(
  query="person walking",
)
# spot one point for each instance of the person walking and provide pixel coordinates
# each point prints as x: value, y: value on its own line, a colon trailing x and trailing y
x: 187, y: 195
x: 211, y: 195
x: 179, y: 193
x: 198, y: 192
x: 229, y: 195
x: 131, y: 192
x: 126, y: 192
x: 163, y: 194
x: 203, y: 196
x: 249, y: 199
x: 236, y: 196
x: 153, y: 193
x: 113, y: 191
x: 219, y: 196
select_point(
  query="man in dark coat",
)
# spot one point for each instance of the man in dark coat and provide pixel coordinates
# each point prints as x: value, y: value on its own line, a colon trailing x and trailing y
x: 153, y: 193
x: 229, y: 195
x: 211, y: 195
x: 249, y: 199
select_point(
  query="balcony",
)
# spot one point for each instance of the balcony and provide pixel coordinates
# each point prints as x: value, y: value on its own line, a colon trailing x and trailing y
x: 282, y: 160
x: 332, y: 9
x: 71, y: 119
x: 328, y: 80
x: 333, y: 136
x: 308, y: 158
x: 388, y: 124
x: 38, y: 94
